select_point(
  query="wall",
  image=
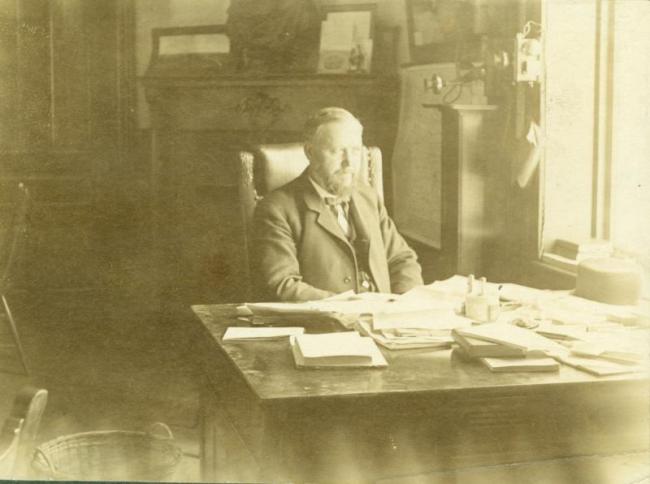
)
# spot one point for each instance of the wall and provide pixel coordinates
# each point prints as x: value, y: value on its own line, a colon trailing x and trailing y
x: 150, y: 14
x: 176, y: 13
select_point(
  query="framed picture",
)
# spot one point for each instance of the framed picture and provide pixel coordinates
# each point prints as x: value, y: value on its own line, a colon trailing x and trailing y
x: 346, y: 40
x: 198, y: 40
x: 436, y: 28
x: 199, y: 50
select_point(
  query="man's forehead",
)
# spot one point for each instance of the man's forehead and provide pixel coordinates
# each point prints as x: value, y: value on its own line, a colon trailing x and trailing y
x: 340, y: 128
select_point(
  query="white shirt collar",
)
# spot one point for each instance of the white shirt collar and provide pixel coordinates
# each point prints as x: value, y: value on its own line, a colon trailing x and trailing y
x: 320, y: 190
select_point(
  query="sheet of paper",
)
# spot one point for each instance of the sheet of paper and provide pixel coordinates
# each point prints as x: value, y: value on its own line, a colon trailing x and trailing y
x: 235, y: 333
x: 331, y: 344
x: 271, y: 308
x: 393, y: 342
x: 364, y: 354
x: 423, y: 319
x: 525, y: 295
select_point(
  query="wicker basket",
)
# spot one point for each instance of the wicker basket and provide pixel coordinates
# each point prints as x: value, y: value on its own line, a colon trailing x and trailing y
x: 110, y: 455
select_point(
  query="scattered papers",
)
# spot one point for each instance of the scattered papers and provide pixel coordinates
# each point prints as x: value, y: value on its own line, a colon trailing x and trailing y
x: 405, y: 340
x: 333, y: 350
x: 501, y: 365
x: 244, y: 333
x: 440, y: 319
x: 273, y: 308
x: 526, y: 295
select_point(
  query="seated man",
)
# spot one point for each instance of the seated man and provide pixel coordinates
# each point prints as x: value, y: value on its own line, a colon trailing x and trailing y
x: 327, y: 232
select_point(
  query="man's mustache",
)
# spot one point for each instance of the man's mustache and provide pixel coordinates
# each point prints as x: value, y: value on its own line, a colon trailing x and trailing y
x: 346, y: 171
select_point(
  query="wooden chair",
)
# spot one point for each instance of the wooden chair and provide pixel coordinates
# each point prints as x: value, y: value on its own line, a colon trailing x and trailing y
x: 269, y: 167
x: 18, y: 435
x: 11, y: 244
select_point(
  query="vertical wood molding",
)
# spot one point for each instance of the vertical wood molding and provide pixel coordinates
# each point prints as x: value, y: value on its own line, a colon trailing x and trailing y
x: 603, y: 119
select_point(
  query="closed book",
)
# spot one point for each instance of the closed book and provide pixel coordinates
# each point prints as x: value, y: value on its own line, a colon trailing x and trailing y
x: 336, y: 350
x: 504, y: 365
x: 476, y: 348
x: 513, y: 336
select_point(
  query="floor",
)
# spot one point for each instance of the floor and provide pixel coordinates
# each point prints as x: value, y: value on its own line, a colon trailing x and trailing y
x: 108, y: 362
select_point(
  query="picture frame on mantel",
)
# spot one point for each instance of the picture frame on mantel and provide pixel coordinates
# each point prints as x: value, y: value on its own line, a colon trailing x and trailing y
x: 347, y: 38
x: 436, y: 29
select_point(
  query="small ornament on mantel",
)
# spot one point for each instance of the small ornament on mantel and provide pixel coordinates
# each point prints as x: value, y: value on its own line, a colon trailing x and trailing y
x: 273, y: 36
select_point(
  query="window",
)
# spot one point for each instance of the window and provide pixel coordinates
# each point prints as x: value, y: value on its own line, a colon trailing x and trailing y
x: 596, y: 99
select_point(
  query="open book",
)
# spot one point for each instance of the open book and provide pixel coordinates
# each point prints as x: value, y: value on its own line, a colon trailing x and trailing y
x: 334, y: 350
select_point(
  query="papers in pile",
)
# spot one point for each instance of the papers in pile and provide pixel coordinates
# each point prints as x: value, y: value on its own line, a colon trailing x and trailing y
x: 395, y: 322
x: 336, y: 350
x: 243, y: 333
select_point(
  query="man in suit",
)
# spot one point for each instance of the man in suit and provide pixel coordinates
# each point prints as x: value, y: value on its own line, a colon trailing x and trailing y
x: 327, y: 232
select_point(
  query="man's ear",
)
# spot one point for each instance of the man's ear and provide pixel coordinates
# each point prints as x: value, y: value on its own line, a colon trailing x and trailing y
x: 307, y: 149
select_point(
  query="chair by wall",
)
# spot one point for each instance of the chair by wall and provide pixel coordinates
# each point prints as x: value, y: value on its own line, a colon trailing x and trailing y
x: 18, y: 434
x: 269, y: 167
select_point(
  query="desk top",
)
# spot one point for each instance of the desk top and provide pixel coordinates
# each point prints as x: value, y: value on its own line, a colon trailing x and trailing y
x: 268, y: 369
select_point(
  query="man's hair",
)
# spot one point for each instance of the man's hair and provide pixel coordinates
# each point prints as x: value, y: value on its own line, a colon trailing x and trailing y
x: 325, y: 116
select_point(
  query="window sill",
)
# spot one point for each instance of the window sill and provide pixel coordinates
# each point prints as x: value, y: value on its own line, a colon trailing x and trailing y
x: 543, y: 275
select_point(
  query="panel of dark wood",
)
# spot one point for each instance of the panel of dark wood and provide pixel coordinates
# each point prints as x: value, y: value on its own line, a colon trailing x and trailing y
x: 64, y: 89
x: 9, y: 107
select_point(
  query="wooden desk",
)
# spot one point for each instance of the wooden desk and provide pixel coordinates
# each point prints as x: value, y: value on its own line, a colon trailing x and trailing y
x: 265, y: 420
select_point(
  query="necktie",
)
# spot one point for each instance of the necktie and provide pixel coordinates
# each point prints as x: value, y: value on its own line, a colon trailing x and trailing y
x: 340, y: 208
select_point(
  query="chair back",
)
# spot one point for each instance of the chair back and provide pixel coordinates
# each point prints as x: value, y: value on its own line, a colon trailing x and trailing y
x: 18, y: 434
x: 269, y: 167
x: 14, y: 235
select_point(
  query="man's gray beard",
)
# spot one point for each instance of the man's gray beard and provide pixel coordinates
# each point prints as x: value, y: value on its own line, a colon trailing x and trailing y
x: 340, y: 189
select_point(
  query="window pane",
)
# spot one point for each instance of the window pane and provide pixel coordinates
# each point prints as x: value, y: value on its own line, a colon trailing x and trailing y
x: 570, y: 40
x: 631, y: 128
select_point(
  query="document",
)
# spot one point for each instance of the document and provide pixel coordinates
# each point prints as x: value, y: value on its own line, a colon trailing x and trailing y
x: 440, y: 319
x: 502, y: 365
x: 333, y: 350
x: 405, y: 340
x: 244, y: 333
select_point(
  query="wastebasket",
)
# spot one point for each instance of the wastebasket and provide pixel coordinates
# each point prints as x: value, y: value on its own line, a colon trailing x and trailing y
x: 110, y: 455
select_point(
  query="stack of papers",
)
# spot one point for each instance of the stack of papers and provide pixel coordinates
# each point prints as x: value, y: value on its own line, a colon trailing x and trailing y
x: 512, y: 336
x: 501, y: 365
x: 405, y: 339
x: 508, y: 348
x: 334, y: 350
x: 242, y: 333
x: 478, y: 348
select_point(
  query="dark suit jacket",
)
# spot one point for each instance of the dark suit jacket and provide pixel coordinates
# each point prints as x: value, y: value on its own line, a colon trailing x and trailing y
x: 300, y: 252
